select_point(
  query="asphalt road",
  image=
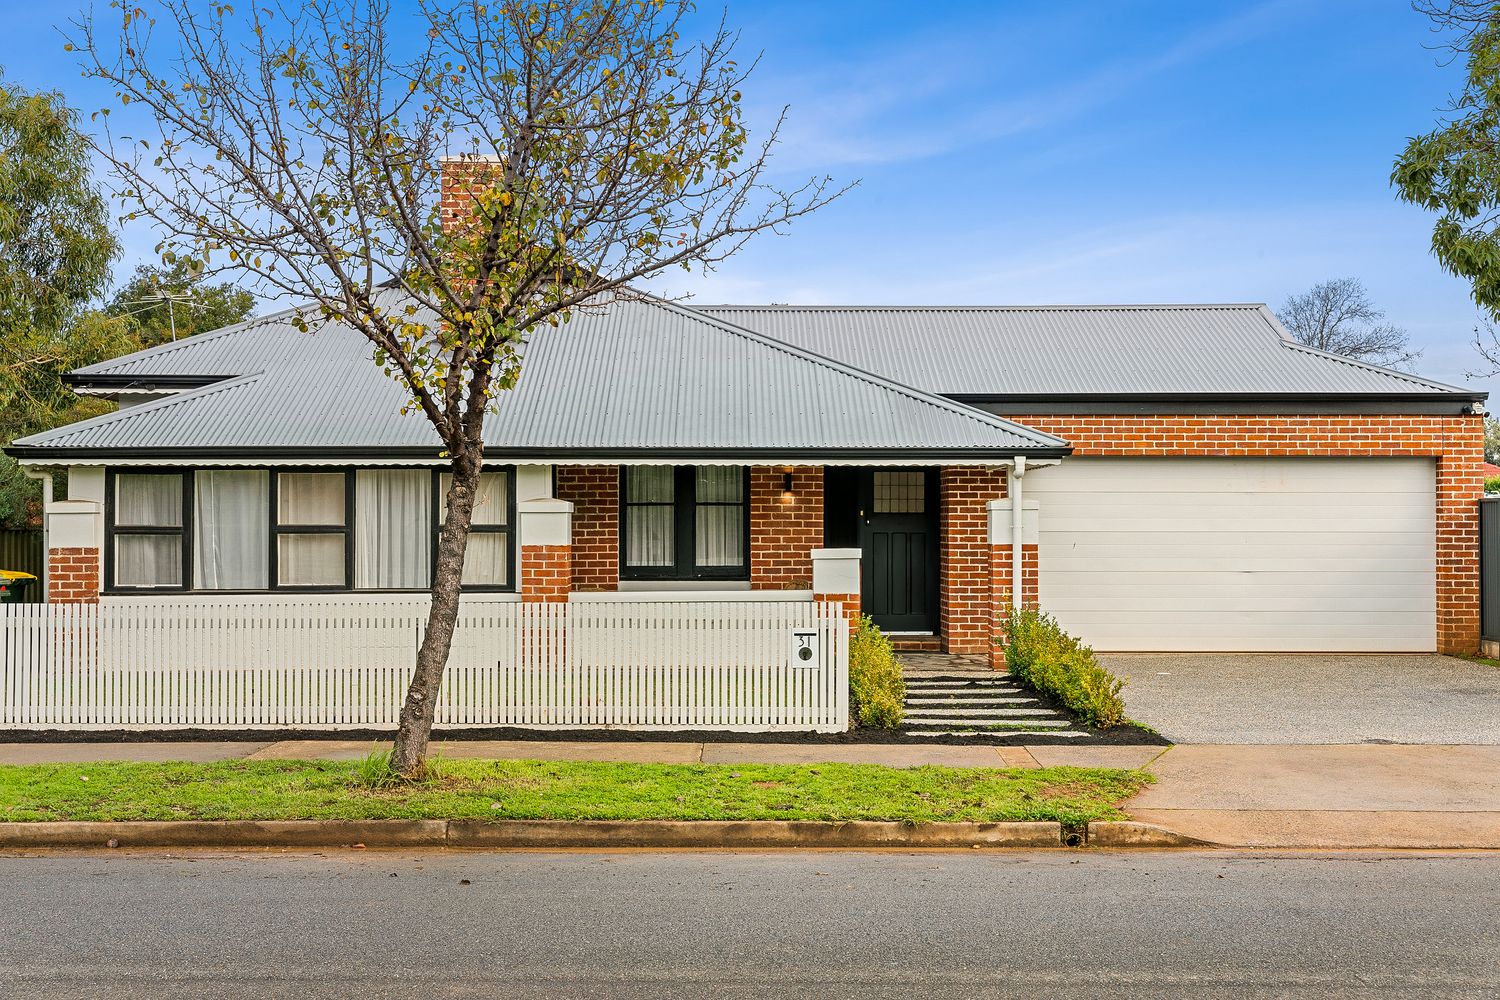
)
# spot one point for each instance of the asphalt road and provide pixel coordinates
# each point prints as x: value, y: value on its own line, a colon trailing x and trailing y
x: 694, y: 925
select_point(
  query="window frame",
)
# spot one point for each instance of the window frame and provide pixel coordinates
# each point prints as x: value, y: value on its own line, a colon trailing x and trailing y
x: 183, y: 531
x: 508, y: 529
x: 684, y: 530
x: 276, y: 529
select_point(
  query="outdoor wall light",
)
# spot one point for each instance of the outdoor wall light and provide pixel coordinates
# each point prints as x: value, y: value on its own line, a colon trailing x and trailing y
x: 788, y: 495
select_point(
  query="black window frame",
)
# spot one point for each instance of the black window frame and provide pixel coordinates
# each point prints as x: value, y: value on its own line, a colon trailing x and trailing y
x: 183, y: 531
x: 276, y: 529
x: 684, y: 530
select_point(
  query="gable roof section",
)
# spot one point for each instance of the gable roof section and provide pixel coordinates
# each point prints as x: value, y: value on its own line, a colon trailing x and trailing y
x: 629, y: 379
x: 1079, y: 352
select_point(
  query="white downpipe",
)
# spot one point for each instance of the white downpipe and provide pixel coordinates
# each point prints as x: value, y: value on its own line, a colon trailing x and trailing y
x: 1013, y: 476
x: 45, y: 478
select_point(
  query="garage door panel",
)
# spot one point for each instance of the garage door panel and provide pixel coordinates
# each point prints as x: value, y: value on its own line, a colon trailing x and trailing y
x: 1240, y: 554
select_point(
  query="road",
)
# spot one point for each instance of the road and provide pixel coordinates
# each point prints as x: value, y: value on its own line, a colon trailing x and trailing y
x: 692, y: 925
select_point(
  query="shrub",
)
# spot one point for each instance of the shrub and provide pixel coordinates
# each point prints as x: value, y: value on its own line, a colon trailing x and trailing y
x: 1042, y: 656
x: 1492, y: 484
x: 877, y: 694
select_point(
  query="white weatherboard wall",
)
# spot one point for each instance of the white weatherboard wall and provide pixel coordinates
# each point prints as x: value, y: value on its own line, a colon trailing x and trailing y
x: 1240, y: 554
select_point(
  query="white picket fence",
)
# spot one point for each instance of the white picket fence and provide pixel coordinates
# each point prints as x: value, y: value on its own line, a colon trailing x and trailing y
x: 345, y: 664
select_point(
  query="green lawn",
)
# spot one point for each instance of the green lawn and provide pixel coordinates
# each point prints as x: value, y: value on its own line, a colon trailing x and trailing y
x: 510, y: 789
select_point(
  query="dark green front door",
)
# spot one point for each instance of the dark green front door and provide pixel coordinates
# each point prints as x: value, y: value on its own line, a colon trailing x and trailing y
x: 899, y: 539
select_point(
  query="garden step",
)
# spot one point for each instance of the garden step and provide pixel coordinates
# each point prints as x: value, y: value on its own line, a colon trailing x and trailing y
x: 966, y: 699
x: 948, y: 720
x: 975, y: 689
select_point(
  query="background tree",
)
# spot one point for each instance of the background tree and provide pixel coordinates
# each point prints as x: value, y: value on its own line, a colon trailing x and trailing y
x: 1454, y: 170
x: 157, y: 300
x: 303, y: 145
x: 1492, y: 440
x: 1338, y: 317
x: 56, y: 248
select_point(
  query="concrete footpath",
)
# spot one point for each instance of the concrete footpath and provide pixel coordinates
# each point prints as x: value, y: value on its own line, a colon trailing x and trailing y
x: 1327, y: 797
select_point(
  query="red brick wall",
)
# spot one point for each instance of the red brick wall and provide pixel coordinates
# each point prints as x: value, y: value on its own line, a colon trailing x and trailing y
x: 1457, y: 442
x: 783, y: 534
x: 967, y: 613
x: 73, y: 576
x: 594, y: 491
x: 546, y: 572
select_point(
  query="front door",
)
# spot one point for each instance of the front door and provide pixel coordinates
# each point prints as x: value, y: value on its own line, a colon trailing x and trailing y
x: 899, y: 539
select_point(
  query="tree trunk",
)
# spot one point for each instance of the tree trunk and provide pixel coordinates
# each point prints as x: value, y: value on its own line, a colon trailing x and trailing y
x: 417, y: 713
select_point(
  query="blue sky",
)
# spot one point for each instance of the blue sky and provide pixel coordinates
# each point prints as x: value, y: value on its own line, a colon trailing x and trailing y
x: 1113, y: 151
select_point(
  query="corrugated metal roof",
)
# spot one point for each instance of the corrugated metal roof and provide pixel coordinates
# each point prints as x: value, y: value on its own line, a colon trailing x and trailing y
x: 1077, y: 351
x: 640, y: 376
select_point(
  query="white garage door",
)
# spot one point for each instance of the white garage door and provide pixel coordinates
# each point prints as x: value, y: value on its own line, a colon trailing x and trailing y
x: 1239, y: 554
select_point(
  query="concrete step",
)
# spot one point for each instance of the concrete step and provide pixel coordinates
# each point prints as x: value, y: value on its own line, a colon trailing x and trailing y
x: 961, y: 699
x: 918, y: 733
x: 943, y: 720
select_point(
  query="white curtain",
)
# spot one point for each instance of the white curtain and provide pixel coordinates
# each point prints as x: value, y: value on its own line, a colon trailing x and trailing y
x: 148, y: 500
x: 490, y: 505
x: 649, y: 533
x: 485, y: 564
x: 310, y: 560
x: 308, y: 498
x: 148, y: 560
x: 231, y: 523
x: 720, y: 528
x: 393, y: 529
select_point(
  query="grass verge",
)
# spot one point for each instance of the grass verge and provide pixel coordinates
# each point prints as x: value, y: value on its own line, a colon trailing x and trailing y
x: 516, y: 789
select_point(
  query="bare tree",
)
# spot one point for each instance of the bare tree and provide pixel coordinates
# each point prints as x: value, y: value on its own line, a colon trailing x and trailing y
x: 1337, y: 316
x: 301, y: 144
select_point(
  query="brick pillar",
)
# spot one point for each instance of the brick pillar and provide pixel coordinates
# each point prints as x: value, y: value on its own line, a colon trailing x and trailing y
x: 1460, y: 484
x: 965, y: 584
x: 835, y: 577
x: 545, y: 530
x: 594, y: 492
x: 75, y: 534
x: 73, y: 575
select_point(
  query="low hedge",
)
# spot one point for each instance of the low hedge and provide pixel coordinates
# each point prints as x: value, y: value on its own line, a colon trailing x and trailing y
x: 1492, y: 484
x: 1042, y: 656
x: 877, y: 694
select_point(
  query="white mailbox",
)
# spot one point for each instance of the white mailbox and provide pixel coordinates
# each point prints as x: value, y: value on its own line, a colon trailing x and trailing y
x: 805, y: 648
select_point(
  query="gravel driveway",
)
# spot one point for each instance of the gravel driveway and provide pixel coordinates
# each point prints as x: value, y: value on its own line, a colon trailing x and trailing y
x: 1306, y: 698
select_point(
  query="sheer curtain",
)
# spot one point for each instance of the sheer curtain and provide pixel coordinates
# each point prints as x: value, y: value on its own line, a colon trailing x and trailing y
x: 649, y: 515
x: 148, y: 500
x: 392, y: 529
x: 231, y: 525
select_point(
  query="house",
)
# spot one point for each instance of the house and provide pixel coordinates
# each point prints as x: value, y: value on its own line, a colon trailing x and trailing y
x: 1160, y: 477
x: 1188, y: 477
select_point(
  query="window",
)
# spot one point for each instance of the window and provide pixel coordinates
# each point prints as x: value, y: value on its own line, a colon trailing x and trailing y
x: 487, y: 559
x: 900, y: 492
x: 231, y: 529
x: 392, y: 540
x: 312, y: 532
x: 315, y: 529
x: 684, y: 523
x: 147, y: 527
